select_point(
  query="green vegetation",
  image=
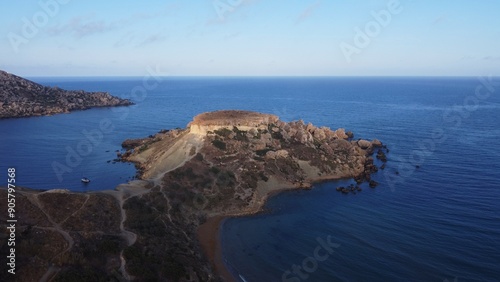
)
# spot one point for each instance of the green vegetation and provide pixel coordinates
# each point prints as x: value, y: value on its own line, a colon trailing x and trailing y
x: 224, y: 132
x: 240, y: 134
x: 109, y: 245
x: 192, y: 151
x: 199, y: 157
x: 258, y: 158
x: 215, y: 170
x: 250, y: 179
x: 263, y: 176
x: 226, y: 179
x: 150, y: 266
x: 78, y: 273
x: 277, y: 135
x: 262, y: 152
x: 181, y: 173
x: 151, y: 257
x: 143, y: 148
x: 219, y: 144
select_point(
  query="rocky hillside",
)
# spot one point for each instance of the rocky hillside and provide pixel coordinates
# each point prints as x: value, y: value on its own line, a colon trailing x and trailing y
x: 227, y: 163
x: 255, y: 156
x: 224, y: 163
x: 23, y: 98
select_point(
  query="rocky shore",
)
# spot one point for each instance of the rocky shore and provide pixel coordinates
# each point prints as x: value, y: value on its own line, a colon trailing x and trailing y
x: 23, y: 98
x: 165, y: 226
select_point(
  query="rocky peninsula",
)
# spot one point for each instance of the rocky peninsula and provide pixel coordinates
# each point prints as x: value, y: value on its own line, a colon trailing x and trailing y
x: 20, y: 97
x: 164, y: 226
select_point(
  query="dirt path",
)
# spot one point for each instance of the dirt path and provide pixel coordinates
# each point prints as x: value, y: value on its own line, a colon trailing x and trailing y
x: 122, y: 193
x: 176, y: 156
x: 33, y: 198
x: 87, y: 196
x: 52, y: 270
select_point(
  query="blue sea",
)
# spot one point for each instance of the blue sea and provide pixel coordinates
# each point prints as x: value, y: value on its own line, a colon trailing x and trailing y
x: 437, y: 222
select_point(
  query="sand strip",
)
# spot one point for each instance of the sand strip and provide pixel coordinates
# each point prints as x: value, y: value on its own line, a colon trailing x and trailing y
x: 209, y: 236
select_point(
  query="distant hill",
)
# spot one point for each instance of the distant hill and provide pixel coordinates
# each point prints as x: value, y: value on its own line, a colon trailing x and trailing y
x: 20, y: 97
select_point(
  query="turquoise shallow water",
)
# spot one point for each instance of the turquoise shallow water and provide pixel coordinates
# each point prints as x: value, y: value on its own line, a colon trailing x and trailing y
x: 439, y: 222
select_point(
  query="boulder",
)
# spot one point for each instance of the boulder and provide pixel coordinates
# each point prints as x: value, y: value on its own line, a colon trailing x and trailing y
x: 364, y: 144
x: 340, y: 134
x: 282, y: 154
x: 376, y: 143
x: 272, y: 155
x: 325, y: 147
x: 310, y: 127
x: 319, y: 134
x: 381, y: 156
x: 373, y: 183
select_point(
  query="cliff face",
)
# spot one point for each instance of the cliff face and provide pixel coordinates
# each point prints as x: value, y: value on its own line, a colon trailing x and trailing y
x: 23, y: 98
x: 244, y: 120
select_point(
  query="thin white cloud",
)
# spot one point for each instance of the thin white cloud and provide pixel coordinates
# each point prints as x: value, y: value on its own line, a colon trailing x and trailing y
x: 308, y: 12
x: 491, y: 58
x: 85, y: 26
x: 439, y: 20
x: 154, y: 38
x: 126, y: 39
x: 222, y: 10
x: 80, y: 27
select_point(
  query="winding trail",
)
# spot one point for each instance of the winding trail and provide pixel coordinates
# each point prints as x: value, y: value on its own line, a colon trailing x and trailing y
x: 81, y: 207
x: 52, y: 270
x: 33, y: 198
x: 122, y: 193
x: 174, y: 157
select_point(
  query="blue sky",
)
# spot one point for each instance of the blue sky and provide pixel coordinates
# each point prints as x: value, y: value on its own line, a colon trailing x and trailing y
x: 250, y: 37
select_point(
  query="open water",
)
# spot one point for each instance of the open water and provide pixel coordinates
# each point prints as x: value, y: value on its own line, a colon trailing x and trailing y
x: 440, y: 222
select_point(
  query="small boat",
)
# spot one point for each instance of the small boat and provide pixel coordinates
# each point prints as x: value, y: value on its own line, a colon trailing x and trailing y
x: 85, y: 180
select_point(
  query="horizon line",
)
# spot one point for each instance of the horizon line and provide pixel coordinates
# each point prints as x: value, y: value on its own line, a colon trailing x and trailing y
x: 261, y: 76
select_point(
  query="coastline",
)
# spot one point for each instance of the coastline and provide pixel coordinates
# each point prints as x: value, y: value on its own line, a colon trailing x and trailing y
x: 224, y: 156
x: 210, y: 241
x: 209, y: 233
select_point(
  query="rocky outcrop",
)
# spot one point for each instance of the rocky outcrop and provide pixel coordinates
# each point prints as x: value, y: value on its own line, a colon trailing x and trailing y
x: 224, y: 163
x: 227, y: 163
x: 23, y: 98
x: 252, y: 143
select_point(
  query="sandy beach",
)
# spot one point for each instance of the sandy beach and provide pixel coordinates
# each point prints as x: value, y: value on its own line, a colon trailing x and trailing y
x: 209, y: 232
x: 209, y: 236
